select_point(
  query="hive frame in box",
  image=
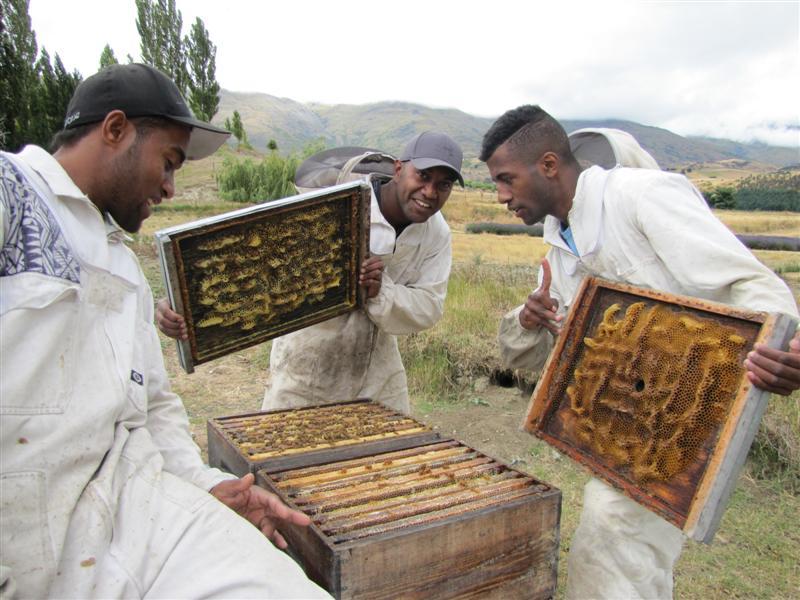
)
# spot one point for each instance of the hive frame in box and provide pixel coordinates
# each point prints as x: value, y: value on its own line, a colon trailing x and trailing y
x: 225, y: 453
x: 501, y: 544
x: 228, y: 310
x: 692, y: 499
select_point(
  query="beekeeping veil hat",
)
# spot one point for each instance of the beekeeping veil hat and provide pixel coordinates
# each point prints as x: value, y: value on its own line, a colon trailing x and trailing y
x: 609, y: 148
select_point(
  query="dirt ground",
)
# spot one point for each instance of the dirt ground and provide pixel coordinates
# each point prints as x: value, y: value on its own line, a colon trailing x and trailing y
x: 489, y: 421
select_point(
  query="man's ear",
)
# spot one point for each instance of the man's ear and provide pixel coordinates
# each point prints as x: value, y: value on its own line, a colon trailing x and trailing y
x: 115, y: 128
x: 548, y: 164
x: 398, y: 166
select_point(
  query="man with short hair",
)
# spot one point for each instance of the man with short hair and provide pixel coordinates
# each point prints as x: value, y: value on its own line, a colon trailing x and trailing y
x: 103, y: 491
x: 639, y: 226
x: 355, y: 355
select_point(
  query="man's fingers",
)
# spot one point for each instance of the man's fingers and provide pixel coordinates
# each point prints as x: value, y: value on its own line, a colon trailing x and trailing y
x: 547, y: 277
x: 766, y: 385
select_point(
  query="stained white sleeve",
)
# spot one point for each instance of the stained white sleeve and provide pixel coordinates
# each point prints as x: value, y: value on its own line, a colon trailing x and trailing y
x: 401, y: 309
x: 168, y: 422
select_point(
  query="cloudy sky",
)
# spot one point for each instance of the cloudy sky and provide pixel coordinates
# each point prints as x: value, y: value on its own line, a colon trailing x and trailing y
x: 725, y: 69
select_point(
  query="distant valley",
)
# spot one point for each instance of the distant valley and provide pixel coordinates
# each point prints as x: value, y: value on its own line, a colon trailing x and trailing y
x: 388, y: 125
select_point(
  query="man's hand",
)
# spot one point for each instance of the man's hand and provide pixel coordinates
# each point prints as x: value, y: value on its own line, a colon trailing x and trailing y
x: 540, y: 308
x: 773, y: 370
x: 169, y: 322
x: 257, y: 505
x: 371, y: 275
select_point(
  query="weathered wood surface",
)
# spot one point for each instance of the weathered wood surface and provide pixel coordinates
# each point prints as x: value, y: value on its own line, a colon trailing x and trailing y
x: 496, y: 549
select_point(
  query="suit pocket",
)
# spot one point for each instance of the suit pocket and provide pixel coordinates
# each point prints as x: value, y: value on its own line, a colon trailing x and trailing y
x: 38, y: 330
x: 25, y: 543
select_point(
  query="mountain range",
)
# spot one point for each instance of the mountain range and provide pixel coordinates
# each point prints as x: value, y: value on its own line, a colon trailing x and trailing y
x: 389, y: 125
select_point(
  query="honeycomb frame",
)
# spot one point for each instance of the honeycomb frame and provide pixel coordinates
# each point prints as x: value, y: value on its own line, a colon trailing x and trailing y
x: 648, y: 391
x: 300, y: 437
x: 247, y: 276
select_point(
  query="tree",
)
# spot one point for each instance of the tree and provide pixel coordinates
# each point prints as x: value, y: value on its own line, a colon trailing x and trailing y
x: 107, y: 57
x: 17, y: 75
x: 723, y: 198
x: 237, y: 128
x: 201, y: 58
x: 159, y: 24
x: 34, y: 93
x: 50, y: 98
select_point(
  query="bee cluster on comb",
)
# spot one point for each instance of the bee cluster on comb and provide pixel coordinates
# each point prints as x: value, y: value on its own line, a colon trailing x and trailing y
x: 652, y: 387
x: 250, y: 275
x: 648, y: 391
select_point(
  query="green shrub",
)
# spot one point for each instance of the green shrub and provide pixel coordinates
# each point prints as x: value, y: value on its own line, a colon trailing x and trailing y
x: 534, y: 230
x: 247, y: 181
x: 479, y: 185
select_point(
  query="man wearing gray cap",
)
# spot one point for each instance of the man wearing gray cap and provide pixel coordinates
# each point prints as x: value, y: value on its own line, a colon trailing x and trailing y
x: 104, y: 492
x: 356, y: 355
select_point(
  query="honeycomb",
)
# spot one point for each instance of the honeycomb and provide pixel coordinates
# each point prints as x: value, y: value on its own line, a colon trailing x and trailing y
x: 241, y: 279
x: 283, y: 433
x: 357, y: 498
x: 651, y: 388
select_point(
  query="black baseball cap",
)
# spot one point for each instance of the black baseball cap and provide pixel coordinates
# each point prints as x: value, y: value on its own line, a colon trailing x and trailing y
x: 140, y: 91
x: 433, y: 149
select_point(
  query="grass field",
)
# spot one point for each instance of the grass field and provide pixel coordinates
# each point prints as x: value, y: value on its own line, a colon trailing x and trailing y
x: 757, y: 551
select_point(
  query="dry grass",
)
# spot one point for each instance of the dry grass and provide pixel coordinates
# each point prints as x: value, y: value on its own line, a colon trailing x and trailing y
x: 765, y: 223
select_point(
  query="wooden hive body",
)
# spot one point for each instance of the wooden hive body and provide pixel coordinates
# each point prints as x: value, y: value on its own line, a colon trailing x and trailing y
x: 290, y: 438
x: 436, y: 520
x: 648, y: 391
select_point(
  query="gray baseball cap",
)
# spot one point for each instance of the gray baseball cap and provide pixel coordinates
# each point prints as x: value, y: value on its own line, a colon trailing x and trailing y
x: 433, y: 149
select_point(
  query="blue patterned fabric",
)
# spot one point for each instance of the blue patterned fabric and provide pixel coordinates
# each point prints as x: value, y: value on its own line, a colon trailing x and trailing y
x: 34, y: 241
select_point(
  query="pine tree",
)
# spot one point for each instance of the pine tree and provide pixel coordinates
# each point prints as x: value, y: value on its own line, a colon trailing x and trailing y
x: 107, y: 57
x: 201, y: 56
x: 17, y: 75
x: 50, y: 98
x: 159, y: 24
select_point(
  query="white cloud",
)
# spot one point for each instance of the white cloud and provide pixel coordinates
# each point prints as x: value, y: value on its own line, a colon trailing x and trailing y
x: 727, y: 69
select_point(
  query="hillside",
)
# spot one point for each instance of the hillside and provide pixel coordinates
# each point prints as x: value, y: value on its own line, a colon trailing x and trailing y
x: 388, y: 125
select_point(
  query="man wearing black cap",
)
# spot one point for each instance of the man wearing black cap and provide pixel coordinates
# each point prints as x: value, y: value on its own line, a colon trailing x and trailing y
x: 356, y: 355
x: 104, y: 493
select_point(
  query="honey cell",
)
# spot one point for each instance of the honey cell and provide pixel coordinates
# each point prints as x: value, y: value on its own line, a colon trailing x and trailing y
x: 647, y: 392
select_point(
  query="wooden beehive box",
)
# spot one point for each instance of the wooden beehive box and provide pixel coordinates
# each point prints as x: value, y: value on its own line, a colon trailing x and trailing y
x: 253, y: 274
x: 648, y: 390
x: 438, y: 520
x: 296, y: 437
